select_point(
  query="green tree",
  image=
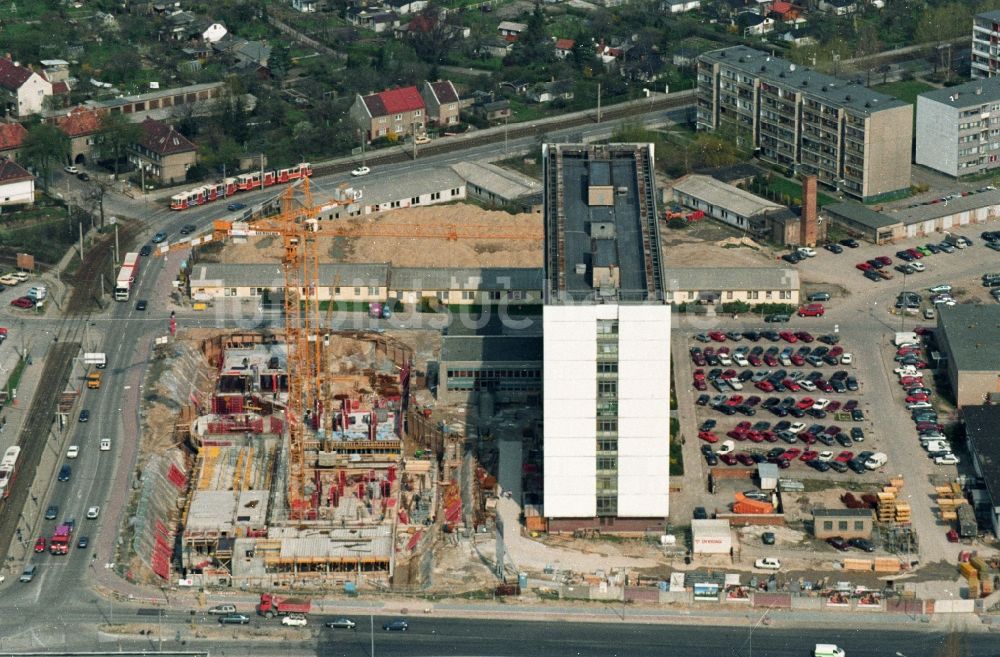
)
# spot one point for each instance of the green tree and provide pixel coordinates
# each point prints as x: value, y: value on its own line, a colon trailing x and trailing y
x: 533, y: 46
x: 45, y: 146
x: 944, y: 22
x: 115, y: 137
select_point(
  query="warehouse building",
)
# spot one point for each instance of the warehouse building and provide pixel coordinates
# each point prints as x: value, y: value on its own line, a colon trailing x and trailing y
x: 864, y: 223
x: 851, y: 138
x: 967, y: 337
x: 956, y: 128
x: 717, y: 285
x: 507, y: 366
x: 760, y: 218
x: 498, y: 186
x: 975, y: 208
x: 606, y: 339
x: 982, y: 431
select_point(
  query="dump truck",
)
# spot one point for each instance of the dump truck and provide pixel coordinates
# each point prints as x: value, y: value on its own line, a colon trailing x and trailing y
x: 275, y: 605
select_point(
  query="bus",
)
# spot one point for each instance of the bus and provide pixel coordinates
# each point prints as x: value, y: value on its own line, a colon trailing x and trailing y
x: 8, y: 470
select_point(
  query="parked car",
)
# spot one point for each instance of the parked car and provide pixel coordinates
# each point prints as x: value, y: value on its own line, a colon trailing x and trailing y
x: 811, y: 310
x: 341, y: 624
x: 398, y: 625
x: 862, y: 544
x: 838, y: 543
x: 294, y: 620
x: 767, y: 563
x: 234, y: 619
x: 361, y: 171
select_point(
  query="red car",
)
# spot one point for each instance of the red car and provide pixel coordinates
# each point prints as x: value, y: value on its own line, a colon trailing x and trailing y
x: 790, y: 454
x: 809, y: 455
x: 757, y: 436
x: 804, y: 403
x: 885, y: 260
x: 915, y: 253
x: 807, y: 438
x: 811, y: 310
x: 736, y: 434
x: 952, y: 536
x: 927, y: 426
x: 699, y: 375
x: 769, y: 436
x: 745, y: 458
x: 743, y: 426
x: 823, y: 385
x: 788, y: 336
x: 832, y: 407
x: 22, y: 302
x: 798, y: 360
x: 907, y: 381
x: 699, y: 384
x: 851, y: 405
x: 40, y: 544
x: 729, y: 374
x: 791, y: 385
x: 764, y: 386
x: 717, y: 336
x: 916, y: 398
x: 735, y: 400
x: 836, y: 351
x: 728, y: 459
x: 844, y: 456
x: 708, y: 436
x: 805, y: 336
x: 863, y: 266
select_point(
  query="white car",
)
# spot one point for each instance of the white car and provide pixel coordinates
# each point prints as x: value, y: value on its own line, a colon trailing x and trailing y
x: 807, y: 251
x: 940, y: 289
x: 105, y: 444
x: 820, y: 404
x: 876, y: 461
x: 797, y: 427
x: 740, y: 360
x: 71, y: 169
x: 946, y: 459
x: 825, y: 456
x: 294, y: 620
x: 93, y: 512
x: 913, y: 406
x: 767, y: 563
x: 807, y: 385
x: 73, y: 452
x: 906, y: 370
x: 421, y: 139
x: 726, y: 447
x: 725, y: 360
x: 361, y: 171
x: 937, y: 447
x: 916, y: 266
x: 735, y: 384
x: 846, y: 359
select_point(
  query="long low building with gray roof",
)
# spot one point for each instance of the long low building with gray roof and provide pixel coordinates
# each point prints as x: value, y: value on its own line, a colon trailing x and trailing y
x: 375, y: 282
x: 753, y: 285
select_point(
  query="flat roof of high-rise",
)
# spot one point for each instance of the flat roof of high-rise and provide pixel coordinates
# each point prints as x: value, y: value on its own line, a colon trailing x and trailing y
x: 622, y: 234
x: 825, y: 88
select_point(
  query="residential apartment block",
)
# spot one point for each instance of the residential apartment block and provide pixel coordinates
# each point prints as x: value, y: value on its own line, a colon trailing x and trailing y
x: 958, y: 128
x: 985, y: 60
x: 848, y: 136
x: 606, y: 341
x: 165, y: 154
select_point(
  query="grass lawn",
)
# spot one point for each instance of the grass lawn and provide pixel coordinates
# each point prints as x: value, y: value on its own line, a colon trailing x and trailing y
x: 907, y: 90
x: 793, y: 189
x: 42, y: 230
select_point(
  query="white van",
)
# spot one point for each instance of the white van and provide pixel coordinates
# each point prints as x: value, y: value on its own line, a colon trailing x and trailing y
x: 37, y: 293
x: 827, y: 650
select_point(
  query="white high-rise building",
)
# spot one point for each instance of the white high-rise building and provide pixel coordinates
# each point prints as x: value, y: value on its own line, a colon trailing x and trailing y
x: 606, y: 335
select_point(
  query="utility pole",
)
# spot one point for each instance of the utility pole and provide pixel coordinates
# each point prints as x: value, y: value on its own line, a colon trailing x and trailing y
x: 505, y: 135
x: 80, y: 226
x: 598, y: 102
x: 116, y: 243
x: 372, y: 617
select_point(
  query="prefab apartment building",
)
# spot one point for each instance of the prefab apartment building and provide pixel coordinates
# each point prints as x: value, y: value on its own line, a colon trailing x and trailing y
x: 851, y: 138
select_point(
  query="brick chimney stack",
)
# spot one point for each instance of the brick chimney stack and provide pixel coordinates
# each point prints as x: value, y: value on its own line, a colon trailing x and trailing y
x: 807, y: 222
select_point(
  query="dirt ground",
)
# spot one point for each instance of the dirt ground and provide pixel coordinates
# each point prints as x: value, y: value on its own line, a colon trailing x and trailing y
x: 394, y: 237
x: 711, y: 244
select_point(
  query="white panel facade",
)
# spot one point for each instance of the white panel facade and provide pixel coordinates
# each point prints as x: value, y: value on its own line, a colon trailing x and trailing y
x: 937, y: 136
x: 570, y: 398
x: 17, y: 193
x: 643, y: 411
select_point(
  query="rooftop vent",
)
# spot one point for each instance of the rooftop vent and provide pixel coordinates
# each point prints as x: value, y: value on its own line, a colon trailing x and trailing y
x: 781, y: 75
x: 762, y: 68
x: 868, y: 104
x: 580, y: 269
x: 847, y: 97
x: 805, y: 83
x: 791, y: 67
x: 824, y: 87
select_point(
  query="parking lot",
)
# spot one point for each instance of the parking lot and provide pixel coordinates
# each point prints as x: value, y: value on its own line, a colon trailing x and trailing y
x: 861, y: 312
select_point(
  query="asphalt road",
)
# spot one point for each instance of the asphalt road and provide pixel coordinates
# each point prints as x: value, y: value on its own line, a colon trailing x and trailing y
x: 75, y: 630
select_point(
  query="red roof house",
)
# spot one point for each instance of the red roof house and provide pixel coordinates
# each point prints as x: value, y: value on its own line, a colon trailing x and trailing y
x: 396, y: 111
x: 11, y: 138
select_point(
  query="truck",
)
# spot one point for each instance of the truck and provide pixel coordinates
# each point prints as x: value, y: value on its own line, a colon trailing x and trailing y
x: 827, y: 650
x: 96, y: 358
x: 967, y: 526
x: 61, y: 538
x: 905, y: 337
x: 275, y: 605
x: 94, y: 380
x: 126, y: 276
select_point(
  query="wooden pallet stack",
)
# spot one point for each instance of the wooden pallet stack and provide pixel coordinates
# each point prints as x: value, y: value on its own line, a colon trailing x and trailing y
x: 949, y: 498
